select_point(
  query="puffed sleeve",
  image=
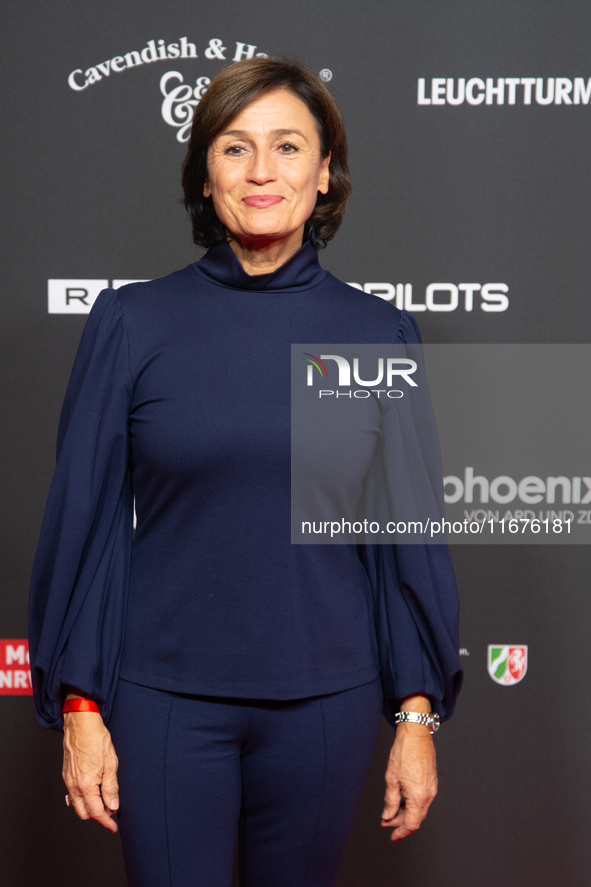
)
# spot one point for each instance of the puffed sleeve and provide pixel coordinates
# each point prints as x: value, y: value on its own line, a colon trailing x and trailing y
x: 415, y: 604
x: 80, y: 575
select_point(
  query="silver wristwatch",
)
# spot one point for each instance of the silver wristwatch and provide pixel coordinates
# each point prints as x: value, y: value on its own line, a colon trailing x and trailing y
x: 414, y: 717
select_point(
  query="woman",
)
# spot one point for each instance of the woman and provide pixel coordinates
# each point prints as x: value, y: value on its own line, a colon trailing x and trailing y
x: 241, y: 677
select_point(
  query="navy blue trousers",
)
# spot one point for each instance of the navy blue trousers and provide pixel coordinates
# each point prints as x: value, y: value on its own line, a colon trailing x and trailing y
x: 195, y: 772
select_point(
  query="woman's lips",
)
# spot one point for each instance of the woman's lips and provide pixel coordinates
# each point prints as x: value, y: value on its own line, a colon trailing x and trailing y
x: 261, y: 201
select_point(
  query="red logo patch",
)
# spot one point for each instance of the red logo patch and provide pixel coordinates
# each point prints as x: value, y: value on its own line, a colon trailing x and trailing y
x: 15, y: 672
x: 517, y: 662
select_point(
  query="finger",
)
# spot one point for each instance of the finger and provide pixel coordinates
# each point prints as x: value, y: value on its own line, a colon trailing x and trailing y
x: 77, y: 797
x: 400, y: 833
x: 91, y: 805
x: 414, y: 817
x: 77, y: 802
x: 97, y: 810
x: 407, y: 821
x: 89, y: 795
x: 107, y: 821
x: 112, y: 804
x: 401, y: 827
x: 392, y: 800
x: 110, y: 792
x: 417, y: 805
x: 394, y: 818
x: 394, y: 821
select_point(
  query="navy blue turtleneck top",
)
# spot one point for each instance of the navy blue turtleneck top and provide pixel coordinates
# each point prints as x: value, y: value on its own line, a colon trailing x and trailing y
x: 179, y: 399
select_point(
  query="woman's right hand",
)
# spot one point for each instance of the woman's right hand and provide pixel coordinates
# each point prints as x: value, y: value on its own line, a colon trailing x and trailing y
x: 90, y: 768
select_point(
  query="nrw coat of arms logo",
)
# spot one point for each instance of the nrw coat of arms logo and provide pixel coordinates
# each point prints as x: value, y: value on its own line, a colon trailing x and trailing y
x: 507, y: 663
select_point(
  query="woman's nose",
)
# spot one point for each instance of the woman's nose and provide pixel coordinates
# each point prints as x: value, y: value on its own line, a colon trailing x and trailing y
x: 262, y: 168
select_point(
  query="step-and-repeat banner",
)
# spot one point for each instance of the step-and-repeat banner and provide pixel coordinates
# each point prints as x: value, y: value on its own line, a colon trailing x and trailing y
x: 469, y: 125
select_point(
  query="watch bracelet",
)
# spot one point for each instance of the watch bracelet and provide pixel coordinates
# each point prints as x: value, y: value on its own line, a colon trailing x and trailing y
x: 429, y: 720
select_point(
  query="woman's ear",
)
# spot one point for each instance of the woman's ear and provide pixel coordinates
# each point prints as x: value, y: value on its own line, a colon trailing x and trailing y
x: 206, y: 189
x: 324, y: 179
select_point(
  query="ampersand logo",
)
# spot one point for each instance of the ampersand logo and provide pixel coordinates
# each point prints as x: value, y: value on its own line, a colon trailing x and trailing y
x: 180, y: 101
x: 215, y: 50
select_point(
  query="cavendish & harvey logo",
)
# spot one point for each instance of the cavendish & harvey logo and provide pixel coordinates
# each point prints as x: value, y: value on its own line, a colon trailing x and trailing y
x: 507, y: 663
x: 180, y: 98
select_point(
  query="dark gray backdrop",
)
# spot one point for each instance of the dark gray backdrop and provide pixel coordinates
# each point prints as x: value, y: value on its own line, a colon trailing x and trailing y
x: 457, y: 194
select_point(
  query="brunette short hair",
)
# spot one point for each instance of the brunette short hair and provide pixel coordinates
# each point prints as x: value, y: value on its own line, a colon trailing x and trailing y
x: 229, y: 93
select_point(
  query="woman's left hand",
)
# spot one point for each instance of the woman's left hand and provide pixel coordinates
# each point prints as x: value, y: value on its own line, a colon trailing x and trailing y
x: 411, y: 780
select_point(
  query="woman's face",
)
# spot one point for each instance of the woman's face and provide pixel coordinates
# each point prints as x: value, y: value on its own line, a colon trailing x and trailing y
x: 265, y: 170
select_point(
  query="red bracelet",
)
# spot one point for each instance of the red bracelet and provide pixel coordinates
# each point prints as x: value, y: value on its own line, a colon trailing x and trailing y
x: 80, y: 705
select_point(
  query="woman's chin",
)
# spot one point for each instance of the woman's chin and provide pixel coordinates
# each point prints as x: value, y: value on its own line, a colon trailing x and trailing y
x: 265, y: 234
x: 266, y: 225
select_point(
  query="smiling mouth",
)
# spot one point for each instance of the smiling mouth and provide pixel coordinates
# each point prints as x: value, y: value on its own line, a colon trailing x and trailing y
x: 262, y: 201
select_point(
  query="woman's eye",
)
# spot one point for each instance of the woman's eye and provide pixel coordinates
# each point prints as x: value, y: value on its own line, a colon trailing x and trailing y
x: 288, y: 148
x: 234, y: 150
